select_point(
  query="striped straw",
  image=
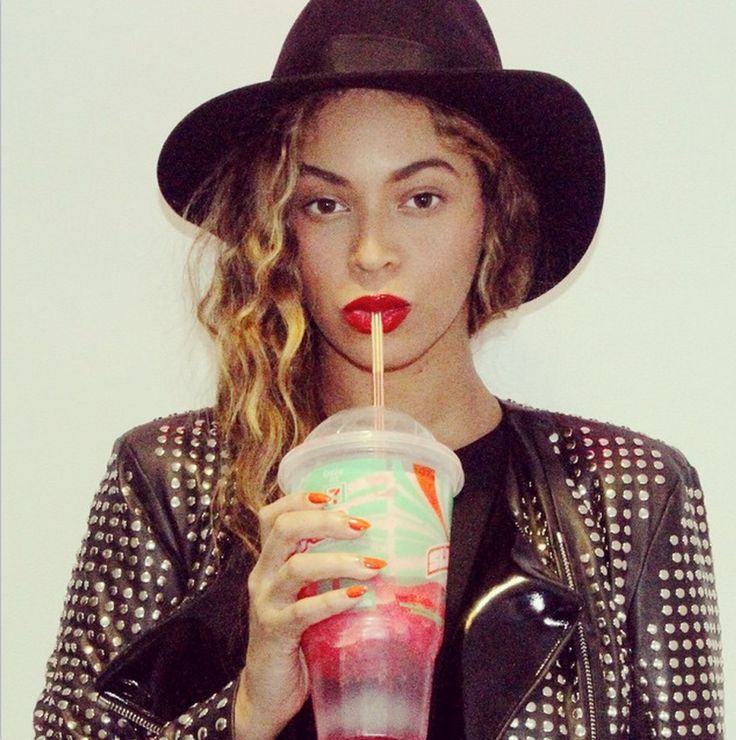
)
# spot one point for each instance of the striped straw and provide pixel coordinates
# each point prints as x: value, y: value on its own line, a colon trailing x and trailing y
x: 377, y: 360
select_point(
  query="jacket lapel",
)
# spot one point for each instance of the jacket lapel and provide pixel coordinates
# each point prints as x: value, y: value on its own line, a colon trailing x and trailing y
x: 512, y: 632
x: 469, y: 520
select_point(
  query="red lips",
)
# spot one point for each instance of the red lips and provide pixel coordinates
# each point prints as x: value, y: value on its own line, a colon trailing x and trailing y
x: 393, y: 311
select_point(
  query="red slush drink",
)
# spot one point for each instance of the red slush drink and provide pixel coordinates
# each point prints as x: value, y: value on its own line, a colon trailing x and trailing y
x: 371, y: 669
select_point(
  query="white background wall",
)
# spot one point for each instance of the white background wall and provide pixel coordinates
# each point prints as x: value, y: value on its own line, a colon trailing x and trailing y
x: 96, y: 329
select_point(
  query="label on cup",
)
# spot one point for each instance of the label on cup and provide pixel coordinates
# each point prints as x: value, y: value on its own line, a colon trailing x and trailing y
x: 409, y: 508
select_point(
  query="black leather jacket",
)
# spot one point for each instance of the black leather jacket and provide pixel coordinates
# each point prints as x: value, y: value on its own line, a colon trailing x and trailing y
x: 606, y: 626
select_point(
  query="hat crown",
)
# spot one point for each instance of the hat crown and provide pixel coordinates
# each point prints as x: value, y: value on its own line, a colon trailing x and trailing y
x: 353, y: 36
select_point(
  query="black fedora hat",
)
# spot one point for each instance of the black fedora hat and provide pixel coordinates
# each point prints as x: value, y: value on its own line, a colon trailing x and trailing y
x: 439, y: 49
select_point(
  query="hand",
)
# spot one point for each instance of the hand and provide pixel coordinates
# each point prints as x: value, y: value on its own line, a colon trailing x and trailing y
x: 274, y: 683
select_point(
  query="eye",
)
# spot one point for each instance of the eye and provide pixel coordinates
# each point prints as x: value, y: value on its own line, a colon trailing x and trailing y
x: 423, y: 201
x: 324, y: 207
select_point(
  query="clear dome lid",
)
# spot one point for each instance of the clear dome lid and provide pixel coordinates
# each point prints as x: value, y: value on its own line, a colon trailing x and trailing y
x: 367, y: 430
x: 370, y: 418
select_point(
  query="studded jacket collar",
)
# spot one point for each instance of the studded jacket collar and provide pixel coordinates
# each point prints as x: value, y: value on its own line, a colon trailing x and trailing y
x: 607, y: 626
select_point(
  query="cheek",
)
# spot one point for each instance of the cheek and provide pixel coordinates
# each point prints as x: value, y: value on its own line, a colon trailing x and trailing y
x: 320, y: 279
x: 319, y: 252
x: 463, y: 257
x: 477, y: 240
x: 447, y: 283
x: 312, y: 282
x: 308, y: 255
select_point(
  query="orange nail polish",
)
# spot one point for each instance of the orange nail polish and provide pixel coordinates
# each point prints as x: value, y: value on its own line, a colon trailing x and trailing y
x: 358, y: 524
x: 373, y: 563
x: 355, y: 592
x: 317, y: 498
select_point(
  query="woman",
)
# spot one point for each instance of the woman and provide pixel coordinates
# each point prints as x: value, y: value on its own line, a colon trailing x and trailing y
x: 389, y: 161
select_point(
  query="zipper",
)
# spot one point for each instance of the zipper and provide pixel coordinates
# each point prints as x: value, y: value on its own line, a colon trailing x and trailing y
x: 135, y: 715
x: 582, y: 644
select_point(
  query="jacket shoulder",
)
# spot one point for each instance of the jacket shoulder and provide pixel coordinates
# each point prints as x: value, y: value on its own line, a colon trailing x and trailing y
x: 179, y: 442
x: 613, y: 445
x: 169, y: 469
x: 185, y: 425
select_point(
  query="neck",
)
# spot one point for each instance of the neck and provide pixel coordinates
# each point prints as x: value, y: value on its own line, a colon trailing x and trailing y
x: 446, y: 395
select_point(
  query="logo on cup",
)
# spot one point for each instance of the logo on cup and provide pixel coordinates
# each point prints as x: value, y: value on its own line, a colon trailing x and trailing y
x: 438, y: 559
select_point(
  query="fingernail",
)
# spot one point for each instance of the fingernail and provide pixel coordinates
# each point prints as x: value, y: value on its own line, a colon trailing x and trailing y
x: 358, y: 524
x: 355, y: 592
x: 317, y: 498
x: 373, y: 563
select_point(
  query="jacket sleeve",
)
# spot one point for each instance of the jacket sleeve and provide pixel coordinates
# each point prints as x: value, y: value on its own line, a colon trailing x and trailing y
x: 678, y: 669
x: 132, y: 572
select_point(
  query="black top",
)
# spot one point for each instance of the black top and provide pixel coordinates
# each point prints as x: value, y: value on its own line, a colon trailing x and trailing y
x: 485, y: 463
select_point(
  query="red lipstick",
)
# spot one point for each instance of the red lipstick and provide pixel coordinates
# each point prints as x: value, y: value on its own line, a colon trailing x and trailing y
x: 393, y: 311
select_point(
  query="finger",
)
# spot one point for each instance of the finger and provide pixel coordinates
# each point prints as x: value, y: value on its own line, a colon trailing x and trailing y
x: 294, y: 619
x: 311, y: 500
x: 291, y: 527
x: 305, y: 568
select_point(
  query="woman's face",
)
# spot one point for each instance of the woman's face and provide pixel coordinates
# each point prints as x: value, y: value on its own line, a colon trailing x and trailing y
x: 387, y: 218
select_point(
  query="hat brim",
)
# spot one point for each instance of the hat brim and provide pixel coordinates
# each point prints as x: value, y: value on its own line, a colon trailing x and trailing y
x: 540, y: 119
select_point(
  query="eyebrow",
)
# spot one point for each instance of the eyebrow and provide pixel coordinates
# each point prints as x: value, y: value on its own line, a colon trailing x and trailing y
x: 405, y: 172
x: 401, y: 174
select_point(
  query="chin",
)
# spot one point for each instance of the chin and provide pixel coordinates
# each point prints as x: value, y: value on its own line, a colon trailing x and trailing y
x: 359, y: 355
x: 395, y: 362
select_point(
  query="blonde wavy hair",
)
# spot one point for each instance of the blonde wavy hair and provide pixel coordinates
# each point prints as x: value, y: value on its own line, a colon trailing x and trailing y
x: 267, y: 400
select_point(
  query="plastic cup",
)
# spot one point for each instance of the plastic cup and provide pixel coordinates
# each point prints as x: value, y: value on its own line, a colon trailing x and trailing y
x: 371, y: 667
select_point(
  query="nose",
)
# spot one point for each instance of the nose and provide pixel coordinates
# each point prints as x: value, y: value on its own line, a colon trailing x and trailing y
x: 374, y: 248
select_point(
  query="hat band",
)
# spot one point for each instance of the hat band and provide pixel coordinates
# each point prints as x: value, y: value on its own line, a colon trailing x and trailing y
x: 350, y: 53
